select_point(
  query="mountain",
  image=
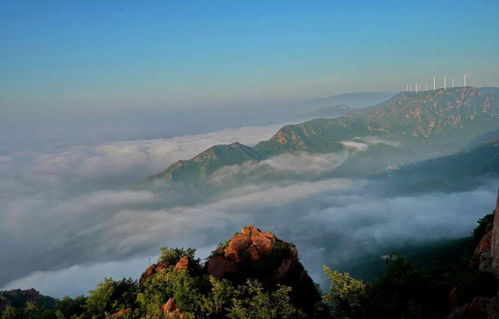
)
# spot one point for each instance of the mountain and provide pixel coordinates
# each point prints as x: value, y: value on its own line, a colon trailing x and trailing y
x: 456, y: 172
x: 414, y: 126
x: 355, y: 99
x: 255, y: 274
x: 209, y: 161
x: 329, y: 111
x: 17, y: 298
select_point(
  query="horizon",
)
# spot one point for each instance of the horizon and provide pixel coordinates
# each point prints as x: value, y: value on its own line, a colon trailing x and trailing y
x: 352, y: 130
x: 172, y: 55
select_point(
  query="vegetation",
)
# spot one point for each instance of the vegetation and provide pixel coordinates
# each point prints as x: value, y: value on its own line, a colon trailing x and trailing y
x: 402, y: 291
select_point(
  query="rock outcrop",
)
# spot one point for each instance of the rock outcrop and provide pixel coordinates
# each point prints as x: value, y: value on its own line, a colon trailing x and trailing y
x: 486, y: 255
x: 170, y: 310
x: 485, y: 259
x: 159, y: 267
x: 183, y: 264
x: 252, y: 253
x: 494, y: 241
x: 249, y: 254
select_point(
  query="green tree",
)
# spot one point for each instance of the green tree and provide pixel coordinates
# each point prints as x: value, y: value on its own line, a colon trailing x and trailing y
x: 219, y: 299
x: 173, y: 255
x: 111, y: 296
x: 252, y: 301
x: 11, y: 313
x: 346, y: 296
x: 69, y: 307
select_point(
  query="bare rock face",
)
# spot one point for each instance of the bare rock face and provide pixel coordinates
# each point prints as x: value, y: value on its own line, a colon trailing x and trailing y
x: 170, y: 310
x: 121, y: 312
x: 486, y: 255
x: 159, y: 267
x: 250, y: 242
x: 252, y: 253
x: 183, y: 264
x: 486, y: 259
x: 482, y: 256
x: 218, y: 266
x: 494, y: 249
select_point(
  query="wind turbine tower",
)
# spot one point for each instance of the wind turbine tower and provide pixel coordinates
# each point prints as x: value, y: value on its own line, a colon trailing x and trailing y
x: 464, y: 79
x: 452, y: 82
x: 445, y: 82
x: 434, y: 84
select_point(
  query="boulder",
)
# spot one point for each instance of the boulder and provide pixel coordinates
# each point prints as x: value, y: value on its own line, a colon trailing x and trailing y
x: 253, y: 254
x: 159, y: 267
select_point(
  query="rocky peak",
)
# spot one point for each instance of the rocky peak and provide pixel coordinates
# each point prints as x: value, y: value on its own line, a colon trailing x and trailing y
x: 183, y: 263
x: 159, y: 267
x: 252, y: 253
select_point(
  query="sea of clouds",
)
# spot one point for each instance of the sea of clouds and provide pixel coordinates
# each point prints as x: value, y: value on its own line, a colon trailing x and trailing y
x: 68, y: 219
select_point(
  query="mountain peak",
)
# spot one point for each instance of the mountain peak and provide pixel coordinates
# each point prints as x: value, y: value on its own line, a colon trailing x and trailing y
x: 439, y: 119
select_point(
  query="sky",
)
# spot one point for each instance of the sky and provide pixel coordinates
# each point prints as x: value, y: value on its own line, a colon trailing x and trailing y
x: 96, y: 95
x: 88, y: 55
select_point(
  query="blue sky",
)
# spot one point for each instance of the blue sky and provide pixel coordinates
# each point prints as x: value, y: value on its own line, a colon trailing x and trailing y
x: 121, y: 54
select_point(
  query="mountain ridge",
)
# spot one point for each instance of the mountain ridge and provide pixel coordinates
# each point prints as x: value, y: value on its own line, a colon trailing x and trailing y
x: 425, y: 122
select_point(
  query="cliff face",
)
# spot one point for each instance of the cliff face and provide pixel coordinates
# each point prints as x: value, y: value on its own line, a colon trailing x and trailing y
x: 485, y: 259
x: 486, y: 255
x: 494, y: 240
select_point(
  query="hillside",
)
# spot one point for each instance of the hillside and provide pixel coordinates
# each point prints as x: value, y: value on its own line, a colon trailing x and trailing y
x: 456, y: 172
x: 328, y: 111
x: 255, y: 274
x: 424, y: 125
x: 355, y: 100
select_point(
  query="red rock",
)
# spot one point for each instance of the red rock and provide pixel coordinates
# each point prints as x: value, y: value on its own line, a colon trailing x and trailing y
x: 218, y: 266
x: 183, y: 263
x: 160, y: 267
x: 250, y: 241
x: 243, y: 257
x: 121, y: 312
x: 170, y: 310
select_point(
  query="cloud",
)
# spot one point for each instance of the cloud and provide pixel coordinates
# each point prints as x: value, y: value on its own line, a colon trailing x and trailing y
x: 295, y: 165
x: 72, y: 214
x: 51, y: 205
x: 341, y: 211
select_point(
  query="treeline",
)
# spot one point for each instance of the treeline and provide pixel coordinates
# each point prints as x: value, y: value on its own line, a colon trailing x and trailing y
x: 402, y: 291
